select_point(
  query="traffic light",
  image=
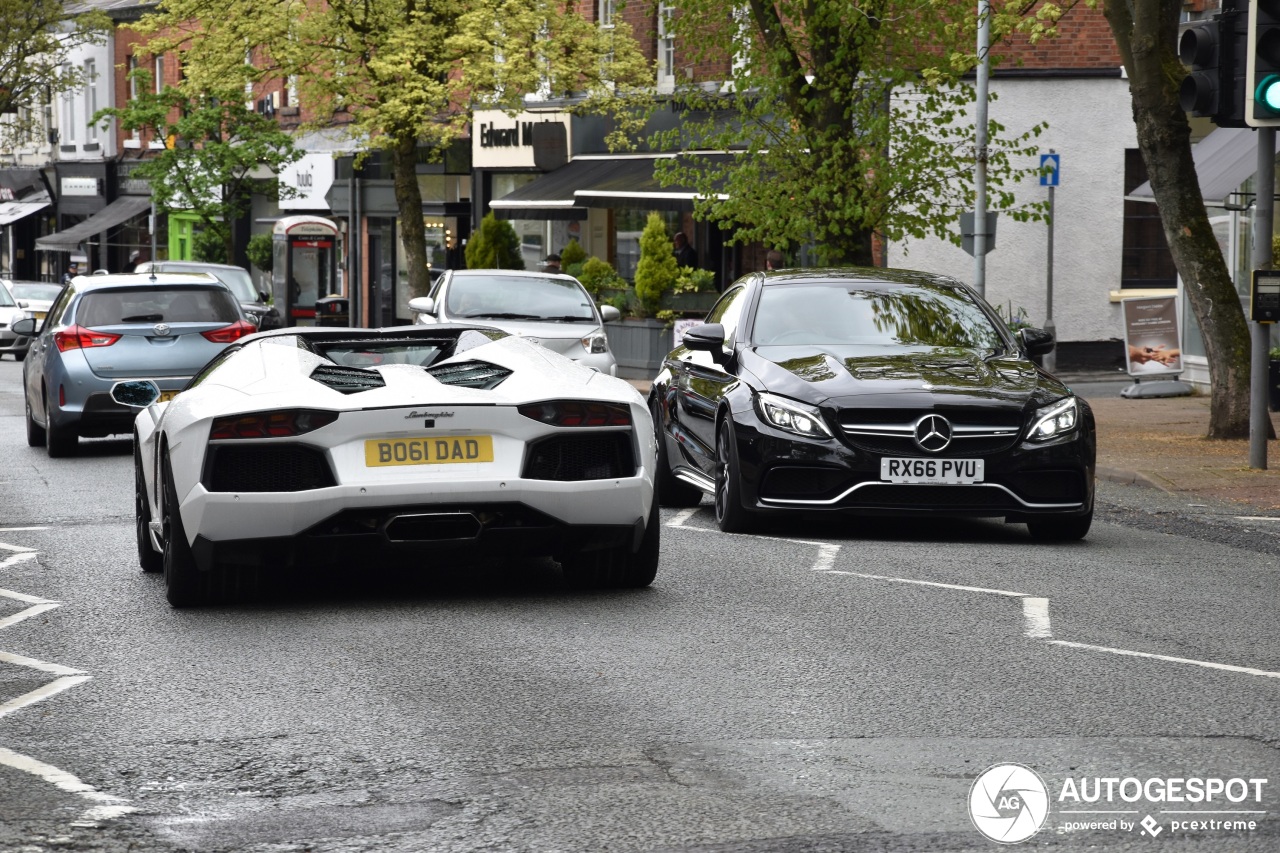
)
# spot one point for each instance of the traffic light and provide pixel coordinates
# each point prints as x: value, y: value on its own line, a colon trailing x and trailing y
x: 1214, y: 50
x: 1262, y: 95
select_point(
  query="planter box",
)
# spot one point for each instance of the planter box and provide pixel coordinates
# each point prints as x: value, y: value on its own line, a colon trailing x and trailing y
x: 639, y: 346
x: 694, y: 304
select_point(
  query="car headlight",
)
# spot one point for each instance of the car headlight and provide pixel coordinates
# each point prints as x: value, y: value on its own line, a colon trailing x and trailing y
x: 791, y: 416
x: 1055, y: 420
x: 596, y: 343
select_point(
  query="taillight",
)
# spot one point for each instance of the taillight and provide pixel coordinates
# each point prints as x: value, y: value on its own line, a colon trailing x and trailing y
x: 569, y: 413
x: 78, y: 337
x: 232, y: 333
x: 279, y: 424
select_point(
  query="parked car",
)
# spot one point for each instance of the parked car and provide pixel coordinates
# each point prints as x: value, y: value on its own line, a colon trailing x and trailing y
x: 105, y: 328
x: 312, y: 445
x: 33, y: 296
x: 553, y: 310
x: 10, y: 313
x: 870, y: 391
x: 256, y: 303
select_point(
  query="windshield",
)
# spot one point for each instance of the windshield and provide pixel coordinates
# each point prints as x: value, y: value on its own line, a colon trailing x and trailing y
x: 873, y: 314
x: 157, y: 304
x: 6, y: 301
x: 239, y: 280
x: 35, y: 290
x: 519, y: 298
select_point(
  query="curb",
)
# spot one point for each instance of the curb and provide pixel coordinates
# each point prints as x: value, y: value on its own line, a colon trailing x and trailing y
x: 1127, y: 478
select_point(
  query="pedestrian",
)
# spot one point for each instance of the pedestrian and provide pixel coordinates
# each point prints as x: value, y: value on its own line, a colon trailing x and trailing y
x: 685, y: 254
x: 72, y: 272
x: 552, y: 263
x: 773, y: 260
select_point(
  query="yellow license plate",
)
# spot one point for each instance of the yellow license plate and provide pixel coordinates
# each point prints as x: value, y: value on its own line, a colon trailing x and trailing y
x: 428, y: 450
x: 166, y: 396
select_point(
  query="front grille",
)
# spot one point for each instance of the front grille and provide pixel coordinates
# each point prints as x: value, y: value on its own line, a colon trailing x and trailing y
x: 932, y: 497
x: 890, y: 432
x: 266, y: 468
x: 348, y: 380
x: 470, y: 374
x: 1047, y: 486
x: 960, y: 446
x: 796, y: 481
x: 580, y: 457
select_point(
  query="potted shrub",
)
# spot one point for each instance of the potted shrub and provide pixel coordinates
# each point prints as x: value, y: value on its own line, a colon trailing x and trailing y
x: 656, y: 271
x: 495, y: 245
x: 694, y: 293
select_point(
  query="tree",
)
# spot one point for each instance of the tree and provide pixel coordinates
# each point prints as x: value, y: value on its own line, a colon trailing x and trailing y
x: 850, y: 119
x: 1146, y: 32
x: 656, y: 271
x: 408, y: 73
x: 36, y: 37
x: 214, y: 149
x: 494, y: 246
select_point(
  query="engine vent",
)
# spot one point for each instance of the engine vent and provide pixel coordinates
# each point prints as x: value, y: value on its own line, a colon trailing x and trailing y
x: 580, y: 457
x: 470, y: 374
x: 266, y: 468
x: 348, y: 380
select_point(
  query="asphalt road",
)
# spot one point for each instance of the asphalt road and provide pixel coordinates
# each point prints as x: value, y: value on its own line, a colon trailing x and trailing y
x: 821, y: 687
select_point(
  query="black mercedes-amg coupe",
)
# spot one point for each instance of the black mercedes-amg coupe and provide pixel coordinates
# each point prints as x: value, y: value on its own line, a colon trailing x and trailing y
x: 870, y: 391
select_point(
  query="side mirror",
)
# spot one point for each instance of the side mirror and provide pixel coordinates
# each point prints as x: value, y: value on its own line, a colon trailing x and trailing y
x: 137, y: 393
x: 263, y: 296
x: 422, y: 305
x: 25, y: 327
x: 708, y: 337
x: 609, y: 314
x: 22, y: 303
x: 1036, y: 341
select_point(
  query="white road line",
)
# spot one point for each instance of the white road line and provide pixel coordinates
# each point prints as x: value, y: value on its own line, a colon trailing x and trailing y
x: 22, y: 549
x: 53, y: 688
x: 681, y: 517
x: 27, y: 614
x: 929, y: 583
x: 9, y: 529
x: 17, y: 558
x: 1258, y: 518
x: 52, y: 668
x: 107, y: 806
x: 23, y: 597
x: 1245, y: 670
x: 1036, y: 613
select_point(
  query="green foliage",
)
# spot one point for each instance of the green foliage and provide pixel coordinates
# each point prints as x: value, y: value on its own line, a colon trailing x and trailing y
x: 217, y: 147
x: 851, y: 119
x: 1015, y: 320
x: 597, y: 275
x: 656, y: 272
x: 261, y: 251
x: 494, y: 246
x: 210, y: 245
x: 694, y: 280
x: 572, y: 253
x: 37, y: 38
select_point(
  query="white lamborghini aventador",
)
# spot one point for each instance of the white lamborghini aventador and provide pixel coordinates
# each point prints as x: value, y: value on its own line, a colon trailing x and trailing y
x: 302, y: 446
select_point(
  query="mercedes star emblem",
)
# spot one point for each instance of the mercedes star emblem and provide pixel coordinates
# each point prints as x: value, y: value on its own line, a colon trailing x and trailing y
x: 933, y: 433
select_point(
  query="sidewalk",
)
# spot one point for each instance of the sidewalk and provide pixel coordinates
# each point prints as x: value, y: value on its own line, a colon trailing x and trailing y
x: 1160, y: 443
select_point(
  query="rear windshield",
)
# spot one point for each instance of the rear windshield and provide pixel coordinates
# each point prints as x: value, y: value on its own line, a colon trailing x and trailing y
x: 157, y: 305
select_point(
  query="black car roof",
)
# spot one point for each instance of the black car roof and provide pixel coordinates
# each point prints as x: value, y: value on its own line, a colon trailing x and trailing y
x: 877, y: 275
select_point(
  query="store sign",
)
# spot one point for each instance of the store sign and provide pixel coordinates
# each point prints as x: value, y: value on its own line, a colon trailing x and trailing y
x: 500, y: 141
x: 80, y: 187
x: 309, y: 179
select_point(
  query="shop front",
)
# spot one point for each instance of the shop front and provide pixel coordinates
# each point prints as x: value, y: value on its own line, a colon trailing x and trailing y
x: 25, y: 209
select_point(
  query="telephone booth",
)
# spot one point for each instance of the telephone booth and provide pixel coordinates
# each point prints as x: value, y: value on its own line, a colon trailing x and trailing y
x: 304, y: 267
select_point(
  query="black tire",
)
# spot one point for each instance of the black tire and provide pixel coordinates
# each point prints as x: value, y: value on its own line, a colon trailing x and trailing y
x: 671, y: 491
x: 185, y: 585
x: 148, y: 558
x: 1060, y: 528
x: 19, y: 356
x: 618, y: 568
x: 59, y: 441
x: 731, y: 515
x: 35, y: 432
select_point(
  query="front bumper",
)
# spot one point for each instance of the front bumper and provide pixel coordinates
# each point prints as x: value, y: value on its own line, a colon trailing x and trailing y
x: 782, y: 472
x: 11, y: 343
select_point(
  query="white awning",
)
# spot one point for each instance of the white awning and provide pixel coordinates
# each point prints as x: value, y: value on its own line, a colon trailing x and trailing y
x: 12, y: 211
x: 1224, y: 160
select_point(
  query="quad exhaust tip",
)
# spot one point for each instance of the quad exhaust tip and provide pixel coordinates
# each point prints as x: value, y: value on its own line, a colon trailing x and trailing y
x: 433, y: 527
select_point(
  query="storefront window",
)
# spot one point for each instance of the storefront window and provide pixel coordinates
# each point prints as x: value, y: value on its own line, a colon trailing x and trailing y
x: 629, y: 224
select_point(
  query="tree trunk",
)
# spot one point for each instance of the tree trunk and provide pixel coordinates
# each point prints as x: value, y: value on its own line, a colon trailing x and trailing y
x: 1146, y: 32
x: 404, y: 162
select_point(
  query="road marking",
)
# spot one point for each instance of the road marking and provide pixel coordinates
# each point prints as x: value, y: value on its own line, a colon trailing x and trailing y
x: 1245, y: 670
x: 105, y: 806
x: 1258, y: 518
x: 917, y: 582
x: 1036, y: 613
x: 682, y: 517
x: 8, y: 529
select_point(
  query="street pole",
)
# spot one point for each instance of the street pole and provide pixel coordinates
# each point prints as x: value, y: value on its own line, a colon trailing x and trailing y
x: 980, y: 151
x: 1051, y: 357
x: 1264, y: 216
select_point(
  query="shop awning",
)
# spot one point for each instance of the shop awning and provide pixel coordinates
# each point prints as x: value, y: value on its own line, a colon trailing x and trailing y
x: 596, y: 181
x: 119, y: 211
x: 1224, y: 159
x: 12, y: 211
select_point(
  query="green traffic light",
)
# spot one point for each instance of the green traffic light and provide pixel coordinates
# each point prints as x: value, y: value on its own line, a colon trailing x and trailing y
x: 1267, y: 95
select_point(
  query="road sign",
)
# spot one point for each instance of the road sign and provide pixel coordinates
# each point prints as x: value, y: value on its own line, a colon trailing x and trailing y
x: 1050, y: 165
